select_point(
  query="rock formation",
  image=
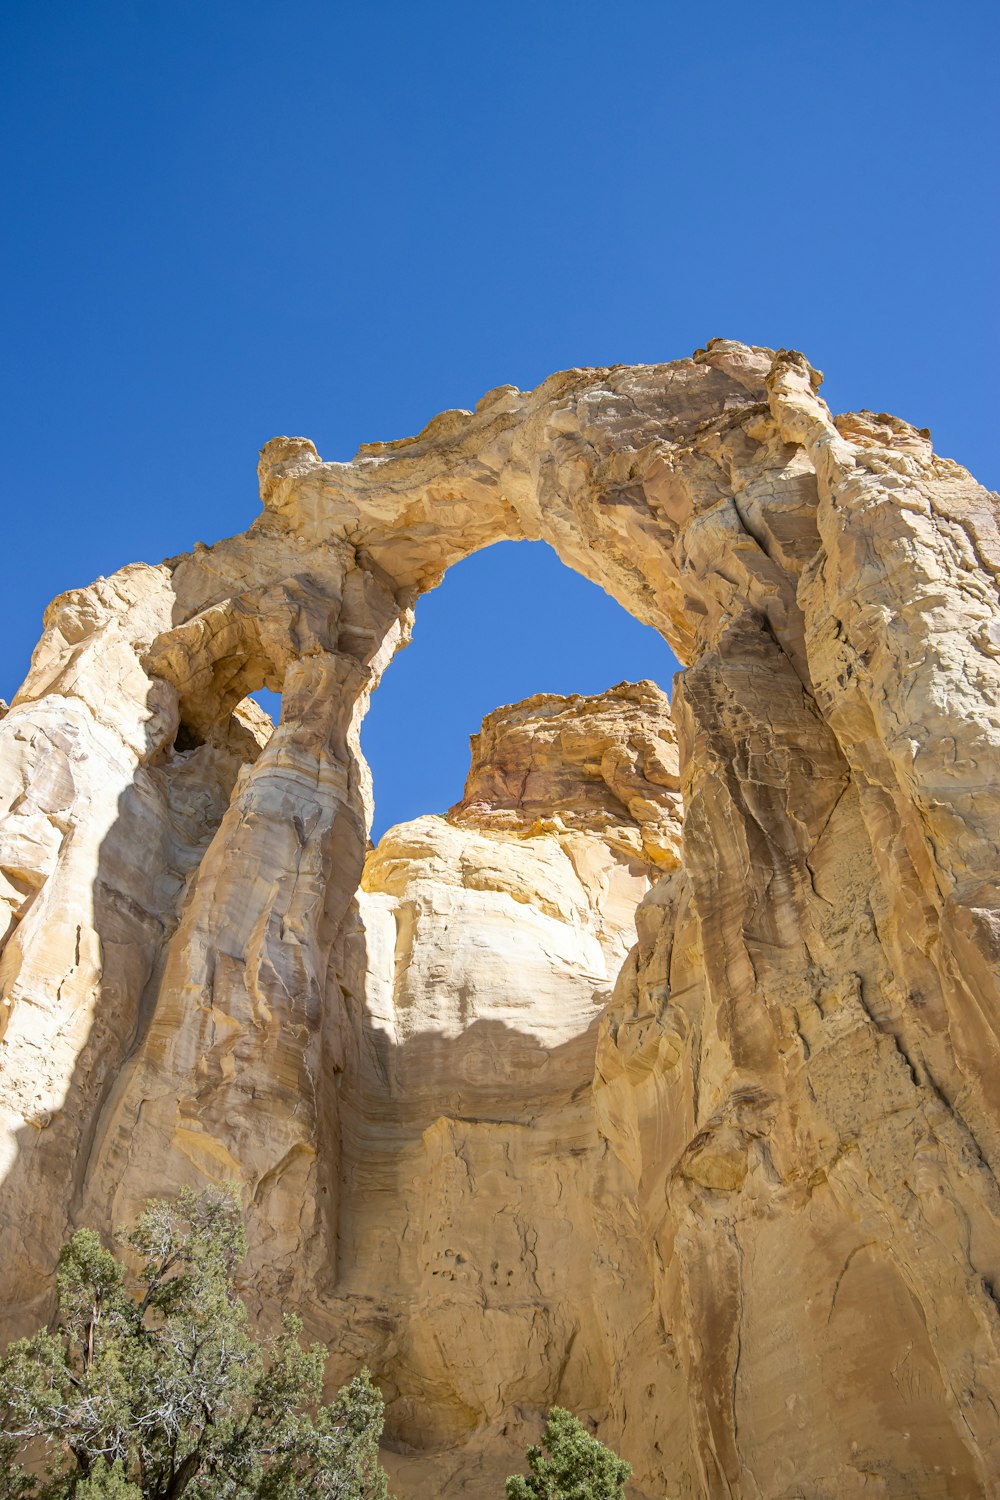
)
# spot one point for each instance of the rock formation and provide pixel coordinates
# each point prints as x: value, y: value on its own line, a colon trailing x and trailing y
x: 486, y: 953
x: 731, y: 1189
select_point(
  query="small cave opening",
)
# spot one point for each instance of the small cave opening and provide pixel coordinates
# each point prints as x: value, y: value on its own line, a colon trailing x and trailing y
x: 506, y: 623
x: 187, y: 738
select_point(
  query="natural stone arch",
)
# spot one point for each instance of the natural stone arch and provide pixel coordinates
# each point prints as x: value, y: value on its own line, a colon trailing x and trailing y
x: 832, y: 587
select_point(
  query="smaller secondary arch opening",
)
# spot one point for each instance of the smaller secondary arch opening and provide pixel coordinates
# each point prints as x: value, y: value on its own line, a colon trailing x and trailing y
x: 269, y: 702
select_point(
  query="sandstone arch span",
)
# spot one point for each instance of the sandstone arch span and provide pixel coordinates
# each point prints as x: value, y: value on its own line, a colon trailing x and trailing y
x: 795, y: 1084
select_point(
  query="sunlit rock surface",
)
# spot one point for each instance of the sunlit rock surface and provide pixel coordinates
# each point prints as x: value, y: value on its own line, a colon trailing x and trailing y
x: 728, y: 1190
x: 487, y: 952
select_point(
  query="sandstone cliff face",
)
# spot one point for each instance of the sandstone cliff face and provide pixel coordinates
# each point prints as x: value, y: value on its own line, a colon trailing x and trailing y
x: 487, y: 950
x: 733, y: 1194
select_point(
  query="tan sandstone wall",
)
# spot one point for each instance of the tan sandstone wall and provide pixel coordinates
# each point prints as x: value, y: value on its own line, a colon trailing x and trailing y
x: 733, y: 1195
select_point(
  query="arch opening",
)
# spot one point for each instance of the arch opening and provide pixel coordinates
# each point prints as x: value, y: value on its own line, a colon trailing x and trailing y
x: 485, y: 950
x: 269, y: 701
x: 507, y: 622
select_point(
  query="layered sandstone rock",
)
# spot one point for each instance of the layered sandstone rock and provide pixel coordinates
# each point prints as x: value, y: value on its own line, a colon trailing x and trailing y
x: 605, y: 765
x: 734, y: 1196
x: 486, y: 952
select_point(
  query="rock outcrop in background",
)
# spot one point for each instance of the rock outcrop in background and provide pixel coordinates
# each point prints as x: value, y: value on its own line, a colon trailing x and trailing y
x: 731, y: 1189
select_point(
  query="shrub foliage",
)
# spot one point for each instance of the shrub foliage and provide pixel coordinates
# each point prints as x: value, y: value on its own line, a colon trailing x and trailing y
x: 151, y: 1384
x: 570, y: 1465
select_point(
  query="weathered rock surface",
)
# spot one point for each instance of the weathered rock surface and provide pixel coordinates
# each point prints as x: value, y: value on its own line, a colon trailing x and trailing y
x: 490, y: 946
x: 733, y: 1195
x: 606, y: 765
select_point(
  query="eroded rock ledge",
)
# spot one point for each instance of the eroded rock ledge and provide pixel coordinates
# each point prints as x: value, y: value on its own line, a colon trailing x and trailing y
x: 733, y: 1195
x: 606, y: 764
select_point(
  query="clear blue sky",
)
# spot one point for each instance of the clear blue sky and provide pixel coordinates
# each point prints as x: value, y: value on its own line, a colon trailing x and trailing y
x: 231, y: 219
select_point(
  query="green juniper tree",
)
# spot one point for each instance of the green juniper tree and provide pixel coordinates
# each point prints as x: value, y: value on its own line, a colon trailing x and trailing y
x: 152, y: 1385
x: 573, y: 1465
